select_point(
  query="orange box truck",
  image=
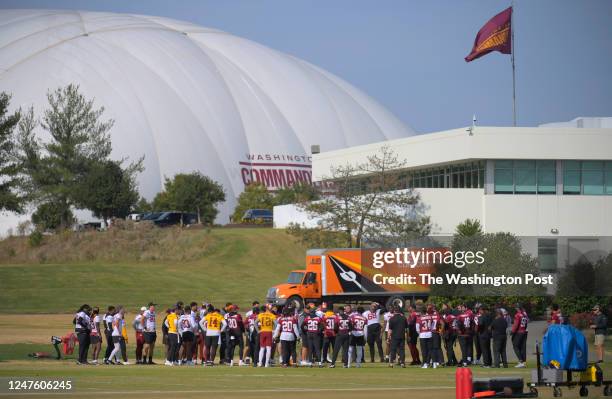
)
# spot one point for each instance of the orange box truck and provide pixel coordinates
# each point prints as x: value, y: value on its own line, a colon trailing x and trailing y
x: 348, y: 276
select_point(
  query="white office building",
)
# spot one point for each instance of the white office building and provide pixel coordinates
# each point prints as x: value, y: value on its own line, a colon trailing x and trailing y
x: 550, y: 185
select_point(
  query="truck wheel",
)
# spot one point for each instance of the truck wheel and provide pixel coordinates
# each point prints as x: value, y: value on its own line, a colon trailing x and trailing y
x: 584, y: 391
x: 296, y: 302
x: 396, y: 300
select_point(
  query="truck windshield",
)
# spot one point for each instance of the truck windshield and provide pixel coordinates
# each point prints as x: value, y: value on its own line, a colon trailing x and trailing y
x: 295, y: 278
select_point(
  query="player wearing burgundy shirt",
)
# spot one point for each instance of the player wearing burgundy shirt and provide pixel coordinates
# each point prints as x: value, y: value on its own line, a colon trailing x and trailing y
x: 466, y: 334
x: 253, y: 335
x: 288, y: 334
x: 413, y: 336
x: 343, y: 329
x: 314, y: 326
x: 358, y: 333
x: 330, y: 320
x: 235, y: 330
x: 451, y: 328
x: 519, y: 335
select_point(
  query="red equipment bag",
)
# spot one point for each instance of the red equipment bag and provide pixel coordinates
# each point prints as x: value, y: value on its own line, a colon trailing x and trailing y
x: 69, y: 340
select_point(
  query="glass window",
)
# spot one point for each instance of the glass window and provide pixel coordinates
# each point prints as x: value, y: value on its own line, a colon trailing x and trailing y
x: 593, y: 182
x: 503, y: 181
x: 571, y: 177
x: 525, y: 177
x: 547, y: 177
x: 609, y: 177
x: 547, y: 254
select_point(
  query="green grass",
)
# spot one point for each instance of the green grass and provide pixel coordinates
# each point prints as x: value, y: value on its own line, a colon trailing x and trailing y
x: 373, y: 380
x: 238, y: 265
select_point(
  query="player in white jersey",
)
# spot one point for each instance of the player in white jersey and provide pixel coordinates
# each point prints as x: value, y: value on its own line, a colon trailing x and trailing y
x: 374, y: 331
x: 186, y: 326
x: 386, y: 317
x: 149, y: 334
x: 138, y: 325
x: 118, y: 322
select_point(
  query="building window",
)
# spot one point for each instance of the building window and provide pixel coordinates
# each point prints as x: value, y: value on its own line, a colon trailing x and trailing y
x: 592, y: 177
x: 587, y: 177
x: 525, y: 177
x: 547, y: 177
x: 464, y: 175
x: 571, y: 177
x: 547, y: 254
x: 504, y: 177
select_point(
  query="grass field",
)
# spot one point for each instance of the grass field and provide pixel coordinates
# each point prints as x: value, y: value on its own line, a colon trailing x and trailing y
x: 234, y: 265
x: 41, y: 287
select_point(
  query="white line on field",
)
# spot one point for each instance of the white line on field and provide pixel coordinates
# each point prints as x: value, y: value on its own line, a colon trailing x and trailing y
x: 275, y: 390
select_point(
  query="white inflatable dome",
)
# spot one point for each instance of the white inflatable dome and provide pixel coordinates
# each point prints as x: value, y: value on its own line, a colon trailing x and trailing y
x: 189, y: 97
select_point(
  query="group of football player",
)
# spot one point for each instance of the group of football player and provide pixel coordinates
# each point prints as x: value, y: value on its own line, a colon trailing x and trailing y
x: 195, y: 334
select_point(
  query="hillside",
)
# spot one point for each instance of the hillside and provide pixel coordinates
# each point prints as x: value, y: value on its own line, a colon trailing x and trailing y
x: 135, y: 265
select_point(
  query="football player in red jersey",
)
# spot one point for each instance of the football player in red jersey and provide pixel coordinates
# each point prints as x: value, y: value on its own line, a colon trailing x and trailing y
x: 358, y: 334
x: 253, y: 335
x: 555, y: 315
x: 413, y: 336
x: 519, y: 335
x: 314, y: 326
x: 451, y: 329
x: 287, y: 332
x: 343, y: 329
x: 425, y: 325
x: 235, y: 327
x: 466, y: 334
x: 330, y: 320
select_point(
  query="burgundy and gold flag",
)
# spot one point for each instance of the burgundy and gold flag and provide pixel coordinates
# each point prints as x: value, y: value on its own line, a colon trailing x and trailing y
x: 495, y: 35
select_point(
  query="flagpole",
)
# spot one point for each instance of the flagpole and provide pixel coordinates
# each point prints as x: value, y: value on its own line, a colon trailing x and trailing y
x: 513, y: 68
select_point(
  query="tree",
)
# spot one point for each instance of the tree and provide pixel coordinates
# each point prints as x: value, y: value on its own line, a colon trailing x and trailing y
x: 63, y: 171
x: 107, y: 190
x: 11, y: 199
x: 143, y: 206
x: 254, y: 196
x: 469, y: 228
x: 51, y: 216
x: 192, y: 192
x: 367, y: 204
x: 299, y: 192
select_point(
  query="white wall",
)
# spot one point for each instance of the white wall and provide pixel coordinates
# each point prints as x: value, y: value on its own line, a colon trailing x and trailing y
x: 522, y: 215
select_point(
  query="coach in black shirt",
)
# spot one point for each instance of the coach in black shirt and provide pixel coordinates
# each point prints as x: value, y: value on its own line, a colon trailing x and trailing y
x: 499, y: 328
x: 484, y: 335
x: 398, y: 324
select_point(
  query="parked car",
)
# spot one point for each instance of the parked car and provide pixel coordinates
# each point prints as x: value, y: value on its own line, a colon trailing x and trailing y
x: 151, y: 215
x: 257, y: 215
x: 174, y: 218
x: 135, y: 217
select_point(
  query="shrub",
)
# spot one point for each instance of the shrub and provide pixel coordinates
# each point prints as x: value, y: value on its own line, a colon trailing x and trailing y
x: 36, y: 238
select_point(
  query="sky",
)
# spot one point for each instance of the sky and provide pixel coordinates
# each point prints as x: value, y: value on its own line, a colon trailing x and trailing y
x: 409, y: 55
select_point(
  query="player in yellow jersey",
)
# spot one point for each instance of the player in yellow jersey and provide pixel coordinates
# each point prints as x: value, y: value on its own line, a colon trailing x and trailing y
x: 171, y: 325
x: 266, y: 323
x: 213, y: 324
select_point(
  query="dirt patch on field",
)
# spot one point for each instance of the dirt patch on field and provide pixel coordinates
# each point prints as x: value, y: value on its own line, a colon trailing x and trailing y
x: 33, y: 329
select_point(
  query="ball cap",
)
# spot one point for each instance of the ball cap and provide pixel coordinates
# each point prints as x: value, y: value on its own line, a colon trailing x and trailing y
x: 596, y: 307
x: 142, y: 309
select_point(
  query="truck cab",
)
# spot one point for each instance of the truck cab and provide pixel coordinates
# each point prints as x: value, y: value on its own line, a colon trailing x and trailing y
x: 301, y: 286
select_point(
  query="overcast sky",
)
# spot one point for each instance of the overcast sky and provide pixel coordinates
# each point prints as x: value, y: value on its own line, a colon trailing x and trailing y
x: 408, y: 55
